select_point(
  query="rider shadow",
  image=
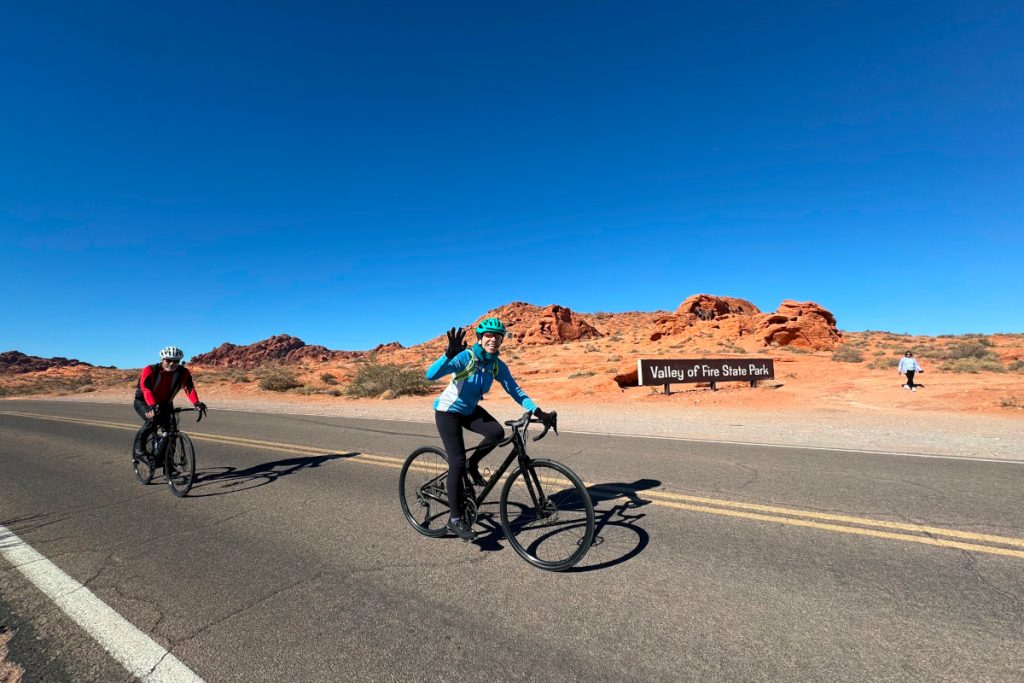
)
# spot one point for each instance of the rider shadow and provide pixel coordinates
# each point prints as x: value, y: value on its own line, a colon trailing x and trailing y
x: 617, y: 536
x: 238, y: 480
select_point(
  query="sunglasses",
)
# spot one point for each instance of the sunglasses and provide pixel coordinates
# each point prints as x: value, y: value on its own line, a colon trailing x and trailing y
x: 171, y: 361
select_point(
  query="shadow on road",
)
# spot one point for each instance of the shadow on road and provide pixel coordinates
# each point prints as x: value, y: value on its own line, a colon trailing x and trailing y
x: 617, y: 536
x: 218, y: 481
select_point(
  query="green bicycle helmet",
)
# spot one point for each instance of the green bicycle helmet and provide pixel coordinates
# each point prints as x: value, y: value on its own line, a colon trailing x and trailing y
x: 491, y: 325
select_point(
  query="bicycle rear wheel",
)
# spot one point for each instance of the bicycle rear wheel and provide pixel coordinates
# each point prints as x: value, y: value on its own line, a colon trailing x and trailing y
x: 547, y: 515
x: 421, y: 490
x: 180, y: 464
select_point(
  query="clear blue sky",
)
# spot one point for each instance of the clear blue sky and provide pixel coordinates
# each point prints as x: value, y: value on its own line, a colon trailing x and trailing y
x: 357, y: 173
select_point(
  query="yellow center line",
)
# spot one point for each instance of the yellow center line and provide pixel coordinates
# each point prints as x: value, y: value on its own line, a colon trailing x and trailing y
x: 942, y: 543
x: 863, y: 521
x: 917, y: 533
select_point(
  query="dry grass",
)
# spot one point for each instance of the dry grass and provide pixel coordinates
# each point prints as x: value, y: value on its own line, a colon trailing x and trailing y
x: 847, y: 354
x: 374, y: 380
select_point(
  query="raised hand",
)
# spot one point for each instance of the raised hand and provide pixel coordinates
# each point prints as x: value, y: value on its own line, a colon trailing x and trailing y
x: 456, y: 342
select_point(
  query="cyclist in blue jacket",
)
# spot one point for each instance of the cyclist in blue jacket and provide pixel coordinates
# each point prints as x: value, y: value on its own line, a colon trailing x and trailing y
x: 474, y: 370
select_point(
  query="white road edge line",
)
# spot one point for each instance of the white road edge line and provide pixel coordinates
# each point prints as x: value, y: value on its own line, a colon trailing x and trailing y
x: 137, y: 652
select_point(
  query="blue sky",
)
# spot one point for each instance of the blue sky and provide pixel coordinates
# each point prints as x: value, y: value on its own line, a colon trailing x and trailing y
x: 352, y: 174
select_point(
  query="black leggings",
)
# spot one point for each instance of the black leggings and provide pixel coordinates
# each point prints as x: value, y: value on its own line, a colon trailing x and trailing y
x: 910, y: 378
x: 149, y: 426
x: 450, y: 426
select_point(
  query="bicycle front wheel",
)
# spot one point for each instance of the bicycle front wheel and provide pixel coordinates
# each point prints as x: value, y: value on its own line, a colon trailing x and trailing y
x: 180, y: 464
x: 547, y: 515
x: 421, y: 490
x: 144, y: 469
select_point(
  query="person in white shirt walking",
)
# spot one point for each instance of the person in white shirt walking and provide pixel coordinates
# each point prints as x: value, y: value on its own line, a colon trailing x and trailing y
x: 909, y: 366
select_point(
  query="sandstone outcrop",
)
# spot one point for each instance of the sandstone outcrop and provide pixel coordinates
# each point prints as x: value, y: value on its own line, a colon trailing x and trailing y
x: 16, y: 362
x: 282, y: 348
x: 799, y: 324
x: 699, y: 309
x: 531, y: 325
x: 708, y: 307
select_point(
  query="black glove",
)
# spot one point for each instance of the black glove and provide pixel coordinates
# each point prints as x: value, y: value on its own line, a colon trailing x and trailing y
x: 152, y: 410
x: 201, y: 407
x: 456, y: 342
x: 547, y: 418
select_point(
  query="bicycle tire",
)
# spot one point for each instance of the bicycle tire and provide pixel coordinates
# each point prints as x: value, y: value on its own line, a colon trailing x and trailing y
x: 180, y: 465
x: 559, y: 533
x: 144, y: 469
x: 422, y: 493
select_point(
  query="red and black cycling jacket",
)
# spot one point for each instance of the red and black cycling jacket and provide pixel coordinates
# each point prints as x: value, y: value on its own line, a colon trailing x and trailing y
x: 160, y: 386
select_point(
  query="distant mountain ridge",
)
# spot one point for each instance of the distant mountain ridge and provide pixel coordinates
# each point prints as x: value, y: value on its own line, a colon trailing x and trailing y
x: 729, y: 320
x: 16, y: 362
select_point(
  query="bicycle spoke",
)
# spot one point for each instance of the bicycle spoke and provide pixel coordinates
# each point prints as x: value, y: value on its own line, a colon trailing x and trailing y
x: 549, y: 517
x: 422, y: 491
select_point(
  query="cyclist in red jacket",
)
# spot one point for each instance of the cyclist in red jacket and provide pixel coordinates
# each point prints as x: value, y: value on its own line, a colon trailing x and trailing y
x: 158, y: 385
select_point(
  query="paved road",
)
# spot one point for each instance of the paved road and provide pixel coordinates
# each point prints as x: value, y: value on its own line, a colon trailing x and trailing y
x: 716, y: 562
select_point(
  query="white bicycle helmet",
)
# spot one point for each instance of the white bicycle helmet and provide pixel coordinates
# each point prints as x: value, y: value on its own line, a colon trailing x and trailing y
x: 172, y: 353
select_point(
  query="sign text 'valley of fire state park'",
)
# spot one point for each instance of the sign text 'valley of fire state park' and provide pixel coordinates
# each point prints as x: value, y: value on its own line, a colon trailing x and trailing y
x: 676, y: 371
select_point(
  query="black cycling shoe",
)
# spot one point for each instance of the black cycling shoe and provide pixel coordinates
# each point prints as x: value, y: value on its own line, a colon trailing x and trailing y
x: 461, y: 529
x: 475, y: 477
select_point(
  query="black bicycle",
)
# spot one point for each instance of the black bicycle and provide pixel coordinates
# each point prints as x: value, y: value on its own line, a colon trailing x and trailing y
x: 171, y: 449
x: 545, y: 510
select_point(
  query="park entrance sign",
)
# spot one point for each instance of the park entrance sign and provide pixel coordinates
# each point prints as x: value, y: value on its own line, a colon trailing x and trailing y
x: 660, y: 371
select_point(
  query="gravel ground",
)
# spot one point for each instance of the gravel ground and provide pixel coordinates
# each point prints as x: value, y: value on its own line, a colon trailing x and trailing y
x: 926, y: 433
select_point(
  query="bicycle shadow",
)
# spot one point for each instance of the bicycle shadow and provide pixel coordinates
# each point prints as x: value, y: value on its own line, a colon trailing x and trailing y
x: 238, y: 480
x: 617, y: 536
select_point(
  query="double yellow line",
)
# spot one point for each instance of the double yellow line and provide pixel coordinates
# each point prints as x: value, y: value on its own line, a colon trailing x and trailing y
x: 861, y: 526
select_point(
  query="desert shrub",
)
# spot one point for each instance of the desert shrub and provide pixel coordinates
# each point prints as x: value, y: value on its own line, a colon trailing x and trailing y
x: 614, y: 358
x: 307, y: 390
x: 880, y: 353
x: 590, y: 348
x: 1012, y: 402
x: 329, y: 379
x: 615, y: 337
x: 973, y: 365
x: 971, y: 349
x: 376, y: 379
x: 278, y: 379
x: 847, y: 354
x: 1017, y: 366
x: 887, y: 363
x: 582, y: 373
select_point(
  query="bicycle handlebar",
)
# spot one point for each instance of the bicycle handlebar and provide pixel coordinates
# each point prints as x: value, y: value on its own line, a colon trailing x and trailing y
x: 202, y: 413
x: 528, y: 419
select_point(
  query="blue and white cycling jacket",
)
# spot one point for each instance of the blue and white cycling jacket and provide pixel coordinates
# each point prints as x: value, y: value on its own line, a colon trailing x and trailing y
x: 463, y: 393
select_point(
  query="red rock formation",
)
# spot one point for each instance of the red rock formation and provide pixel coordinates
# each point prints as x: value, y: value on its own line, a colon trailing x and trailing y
x: 528, y: 324
x: 698, y: 309
x: 281, y: 348
x: 800, y: 324
x: 16, y: 362
x: 628, y: 376
x: 386, y: 348
x: 707, y: 306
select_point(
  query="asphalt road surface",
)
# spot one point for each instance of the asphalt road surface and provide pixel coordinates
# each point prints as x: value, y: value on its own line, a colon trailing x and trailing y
x: 290, y: 559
